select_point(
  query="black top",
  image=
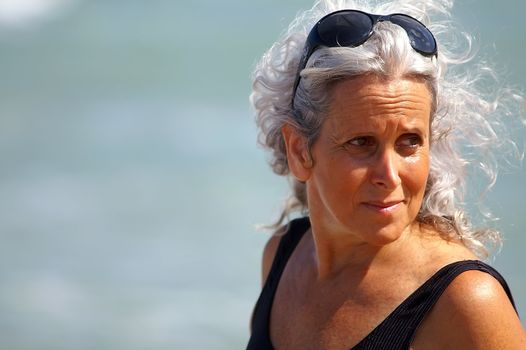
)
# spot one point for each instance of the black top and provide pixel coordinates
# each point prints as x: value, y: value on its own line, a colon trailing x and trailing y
x: 394, y: 332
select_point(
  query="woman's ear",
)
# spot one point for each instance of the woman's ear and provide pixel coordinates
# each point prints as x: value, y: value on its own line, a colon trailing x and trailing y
x: 298, y: 153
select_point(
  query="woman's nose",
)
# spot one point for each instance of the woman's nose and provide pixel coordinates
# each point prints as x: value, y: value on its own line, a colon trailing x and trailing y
x: 385, y: 170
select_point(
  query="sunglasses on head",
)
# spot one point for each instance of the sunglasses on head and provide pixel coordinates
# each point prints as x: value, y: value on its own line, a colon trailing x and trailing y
x: 351, y: 28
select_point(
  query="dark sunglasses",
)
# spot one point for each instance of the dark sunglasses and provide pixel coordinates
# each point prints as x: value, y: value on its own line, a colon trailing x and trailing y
x: 351, y: 28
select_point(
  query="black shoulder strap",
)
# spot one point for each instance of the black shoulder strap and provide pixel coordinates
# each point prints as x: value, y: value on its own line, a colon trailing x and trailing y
x: 399, y: 328
x: 260, y: 338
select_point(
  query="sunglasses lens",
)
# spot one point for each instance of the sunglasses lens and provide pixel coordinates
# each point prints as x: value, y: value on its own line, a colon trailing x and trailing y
x: 420, y: 37
x: 349, y: 28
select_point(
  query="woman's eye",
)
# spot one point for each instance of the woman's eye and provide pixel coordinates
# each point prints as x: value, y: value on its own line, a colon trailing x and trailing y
x: 361, y: 141
x: 411, y: 141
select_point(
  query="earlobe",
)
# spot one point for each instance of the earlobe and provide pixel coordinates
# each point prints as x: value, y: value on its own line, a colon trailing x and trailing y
x: 298, y: 154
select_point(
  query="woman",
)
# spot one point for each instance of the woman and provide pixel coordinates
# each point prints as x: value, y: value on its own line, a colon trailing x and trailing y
x: 362, y: 117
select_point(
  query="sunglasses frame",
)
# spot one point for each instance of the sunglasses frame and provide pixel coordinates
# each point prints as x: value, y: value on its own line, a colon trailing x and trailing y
x: 314, y: 40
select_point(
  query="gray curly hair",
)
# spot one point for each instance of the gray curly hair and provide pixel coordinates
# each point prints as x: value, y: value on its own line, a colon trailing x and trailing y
x: 468, y: 116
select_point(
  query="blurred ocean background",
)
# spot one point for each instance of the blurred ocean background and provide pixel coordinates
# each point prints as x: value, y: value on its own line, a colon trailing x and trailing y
x: 131, y: 182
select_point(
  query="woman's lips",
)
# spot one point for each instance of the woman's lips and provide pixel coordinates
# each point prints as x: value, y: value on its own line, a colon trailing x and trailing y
x: 384, y: 207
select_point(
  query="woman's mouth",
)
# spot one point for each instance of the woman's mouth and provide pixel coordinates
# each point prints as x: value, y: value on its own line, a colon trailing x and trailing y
x: 384, y: 208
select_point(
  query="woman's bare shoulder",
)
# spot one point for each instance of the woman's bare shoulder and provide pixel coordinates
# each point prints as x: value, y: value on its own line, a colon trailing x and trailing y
x: 475, y: 313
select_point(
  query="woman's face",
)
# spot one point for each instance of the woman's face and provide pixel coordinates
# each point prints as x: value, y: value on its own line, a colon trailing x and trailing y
x: 371, y: 159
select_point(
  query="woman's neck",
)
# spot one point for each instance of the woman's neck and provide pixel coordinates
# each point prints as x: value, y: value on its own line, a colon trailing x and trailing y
x: 338, y: 252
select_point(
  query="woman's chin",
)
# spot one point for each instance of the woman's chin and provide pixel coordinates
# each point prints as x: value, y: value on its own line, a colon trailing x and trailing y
x: 382, y: 235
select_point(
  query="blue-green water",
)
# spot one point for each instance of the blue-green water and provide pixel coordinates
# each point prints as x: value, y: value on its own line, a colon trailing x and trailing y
x: 131, y: 180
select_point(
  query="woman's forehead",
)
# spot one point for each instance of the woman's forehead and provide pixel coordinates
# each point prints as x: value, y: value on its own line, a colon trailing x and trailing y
x: 359, y: 99
x: 373, y: 85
